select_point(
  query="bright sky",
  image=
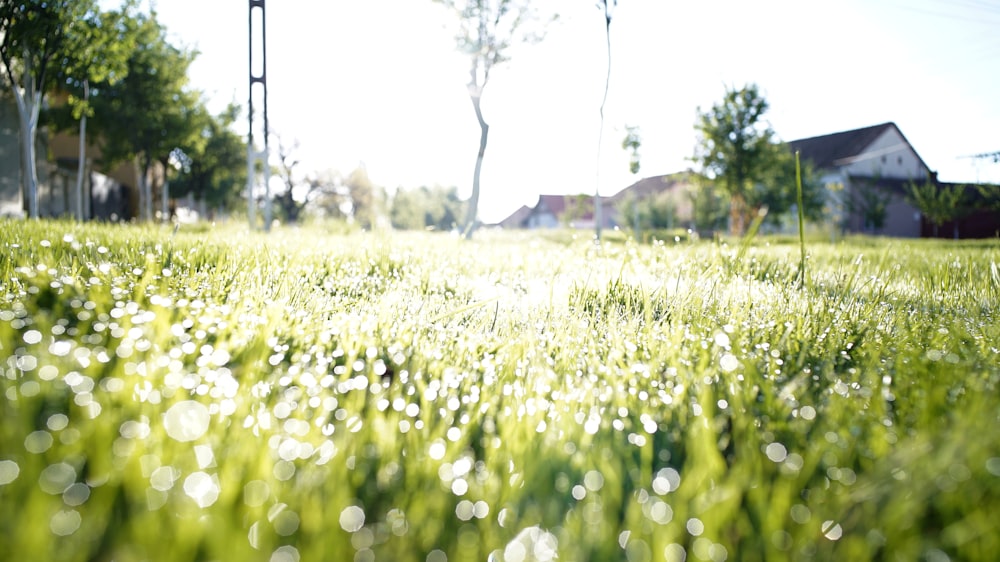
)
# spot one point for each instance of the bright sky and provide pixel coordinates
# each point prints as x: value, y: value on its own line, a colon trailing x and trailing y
x: 380, y: 82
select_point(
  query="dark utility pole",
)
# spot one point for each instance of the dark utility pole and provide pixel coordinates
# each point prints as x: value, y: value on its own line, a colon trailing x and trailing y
x: 254, y: 156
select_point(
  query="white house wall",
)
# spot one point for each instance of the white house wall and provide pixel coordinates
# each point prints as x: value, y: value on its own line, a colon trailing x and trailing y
x: 890, y: 156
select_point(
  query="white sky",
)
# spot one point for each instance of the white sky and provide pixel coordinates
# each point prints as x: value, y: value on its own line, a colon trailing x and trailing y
x: 380, y: 82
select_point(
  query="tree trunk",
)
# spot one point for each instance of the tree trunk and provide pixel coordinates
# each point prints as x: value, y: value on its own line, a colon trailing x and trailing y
x: 82, y: 156
x: 165, y: 199
x: 470, y: 218
x: 598, y: 210
x: 737, y: 215
x: 145, y: 206
x: 28, y: 105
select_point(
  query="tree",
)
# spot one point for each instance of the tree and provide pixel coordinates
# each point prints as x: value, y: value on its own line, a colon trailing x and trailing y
x: 150, y: 113
x: 775, y: 186
x: 213, y: 164
x: 708, y: 207
x: 990, y: 194
x: 99, y: 52
x: 290, y: 199
x: 487, y: 30
x: 938, y: 203
x: 434, y: 208
x: 364, y: 196
x: 869, y: 202
x: 37, y: 36
x: 738, y: 150
x: 608, y: 7
x: 631, y: 144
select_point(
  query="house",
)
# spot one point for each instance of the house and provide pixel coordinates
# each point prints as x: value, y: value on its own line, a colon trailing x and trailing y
x: 108, y: 197
x: 577, y: 211
x: 867, y: 173
x: 573, y: 211
x: 516, y: 219
x: 676, y: 190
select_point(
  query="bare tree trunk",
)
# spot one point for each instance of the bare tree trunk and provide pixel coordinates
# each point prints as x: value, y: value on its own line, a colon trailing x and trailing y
x: 470, y: 218
x: 598, y: 214
x: 81, y: 163
x: 28, y: 105
x: 145, y: 206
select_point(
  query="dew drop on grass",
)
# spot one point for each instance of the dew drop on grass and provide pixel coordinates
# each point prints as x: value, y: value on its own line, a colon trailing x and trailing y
x: 76, y: 494
x: 255, y: 493
x: 38, y: 442
x: 728, y: 362
x: 162, y: 478
x: 464, y: 510
x: 532, y: 543
x: 285, y: 523
x: 695, y: 527
x: 253, y: 535
x: 56, y: 478
x: 202, y: 488
x: 32, y: 337
x: 284, y: 470
x: 593, y: 480
x: 64, y: 523
x: 832, y: 530
x: 776, y: 452
x: 352, y: 518
x: 186, y: 421
x: 285, y: 553
x: 9, y: 470
x: 674, y: 553
x: 57, y: 422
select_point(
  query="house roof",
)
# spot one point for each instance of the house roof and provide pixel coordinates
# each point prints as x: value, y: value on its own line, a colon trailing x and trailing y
x: 653, y: 185
x: 835, y: 149
x: 517, y: 218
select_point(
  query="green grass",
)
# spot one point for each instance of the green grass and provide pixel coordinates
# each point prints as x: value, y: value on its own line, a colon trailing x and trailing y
x: 226, y: 395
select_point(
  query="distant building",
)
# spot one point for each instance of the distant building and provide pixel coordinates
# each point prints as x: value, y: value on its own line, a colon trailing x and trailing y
x: 867, y: 173
x: 577, y: 211
x: 105, y: 196
x: 572, y: 211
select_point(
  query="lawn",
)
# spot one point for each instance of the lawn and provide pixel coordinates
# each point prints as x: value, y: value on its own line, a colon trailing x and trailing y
x: 216, y: 394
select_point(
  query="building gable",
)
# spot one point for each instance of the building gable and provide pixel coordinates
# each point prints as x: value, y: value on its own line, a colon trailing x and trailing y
x: 875, y: 151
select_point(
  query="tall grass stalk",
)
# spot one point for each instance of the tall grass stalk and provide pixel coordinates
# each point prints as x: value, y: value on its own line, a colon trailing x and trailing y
x: 802, y: 220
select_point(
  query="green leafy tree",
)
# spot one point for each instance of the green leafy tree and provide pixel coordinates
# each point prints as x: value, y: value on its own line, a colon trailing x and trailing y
x: 869, y: 202
x: 150, y: 113
x: 38, y: 37
x: 738, y: 150
x: 487, y: 31
x: 98, y: 52
x: 990, y: 194
x: 708, y: 206
x: 435, y: 208
x: 775, y: 185
x: 939, y: 203
x: 213, y: 164
x: 658, y: 212
x: 364, y: 197
x: 631, y: 144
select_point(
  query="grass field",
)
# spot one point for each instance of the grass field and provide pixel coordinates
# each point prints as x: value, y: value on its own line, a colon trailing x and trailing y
x: 225, y: 395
